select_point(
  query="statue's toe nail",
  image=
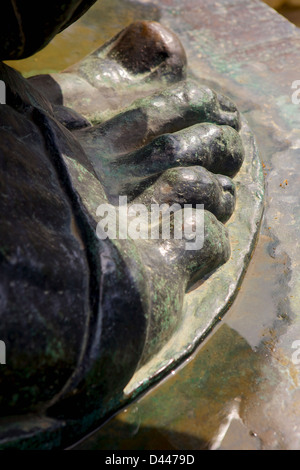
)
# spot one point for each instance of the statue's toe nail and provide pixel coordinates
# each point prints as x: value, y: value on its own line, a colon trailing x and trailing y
x: 144, y: 45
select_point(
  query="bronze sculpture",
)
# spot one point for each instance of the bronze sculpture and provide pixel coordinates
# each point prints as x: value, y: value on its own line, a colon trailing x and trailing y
x: 79, y: 314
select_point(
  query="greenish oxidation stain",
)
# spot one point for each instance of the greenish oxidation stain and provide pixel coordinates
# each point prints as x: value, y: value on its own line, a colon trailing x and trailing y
x: 200, y: 379
x: 54, y: 350
x: 165, y: 317
x: 82, y: 172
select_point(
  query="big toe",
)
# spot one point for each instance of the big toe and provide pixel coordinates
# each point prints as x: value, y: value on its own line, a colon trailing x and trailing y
x: 146, y: 45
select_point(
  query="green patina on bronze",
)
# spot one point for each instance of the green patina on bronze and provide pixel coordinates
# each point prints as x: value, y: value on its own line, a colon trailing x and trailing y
x: 249, y: 355
x: 168, y: 335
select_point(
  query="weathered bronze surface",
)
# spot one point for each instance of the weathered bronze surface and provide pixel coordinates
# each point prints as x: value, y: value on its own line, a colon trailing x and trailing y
x: 94, y: 314
x: 241, y: 389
